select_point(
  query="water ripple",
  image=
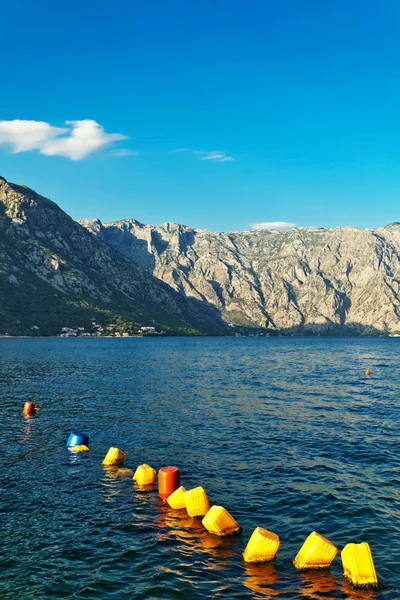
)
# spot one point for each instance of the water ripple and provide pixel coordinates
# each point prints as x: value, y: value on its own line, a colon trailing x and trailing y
x: 288, y: 434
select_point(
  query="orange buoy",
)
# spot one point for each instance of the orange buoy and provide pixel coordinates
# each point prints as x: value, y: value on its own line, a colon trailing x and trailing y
x: 368, y: 372
x: 169, y: 479
x: 29, y: 409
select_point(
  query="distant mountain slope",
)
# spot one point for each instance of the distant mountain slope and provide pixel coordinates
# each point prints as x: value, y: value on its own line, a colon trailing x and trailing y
x: 304, y: 279
x: 54, y: 273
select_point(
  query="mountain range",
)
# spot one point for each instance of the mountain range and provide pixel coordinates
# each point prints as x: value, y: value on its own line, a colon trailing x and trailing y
x: 56, y: 271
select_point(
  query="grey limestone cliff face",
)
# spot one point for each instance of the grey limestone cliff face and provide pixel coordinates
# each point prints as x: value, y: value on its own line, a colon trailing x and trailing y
x: 302, y: 279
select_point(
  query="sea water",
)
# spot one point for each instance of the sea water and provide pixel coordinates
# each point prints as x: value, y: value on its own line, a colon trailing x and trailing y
x: 286, y: 433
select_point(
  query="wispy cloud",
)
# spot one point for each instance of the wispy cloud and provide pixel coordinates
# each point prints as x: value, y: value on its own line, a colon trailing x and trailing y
x: 124, y: 152
x: 281, y: 225
x: 213, y: 155
x: 217, y: 156
x: 76, y: 140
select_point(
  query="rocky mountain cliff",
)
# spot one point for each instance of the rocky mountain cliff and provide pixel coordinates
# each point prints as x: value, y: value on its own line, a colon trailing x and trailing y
x: 309, y: 280
x: 54, y: 273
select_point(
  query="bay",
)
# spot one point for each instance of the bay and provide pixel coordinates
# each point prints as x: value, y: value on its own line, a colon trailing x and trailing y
x: 286, y: 433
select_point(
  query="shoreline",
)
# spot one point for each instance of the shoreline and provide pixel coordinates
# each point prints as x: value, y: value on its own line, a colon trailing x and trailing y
x: 126, y: 337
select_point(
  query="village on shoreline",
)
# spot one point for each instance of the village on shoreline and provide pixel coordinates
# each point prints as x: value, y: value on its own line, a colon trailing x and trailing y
x: 96, y: 330
x: 111, y: 330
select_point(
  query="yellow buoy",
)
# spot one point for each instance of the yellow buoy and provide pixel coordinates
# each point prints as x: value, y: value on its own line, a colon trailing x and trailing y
x: 144, y: 475
x: 114, y: 457
x: 262, y: 546
x: 219, y: 522
x: 177, y: 498
x: 316, y: 553
x: 358, y: 566
x: 80, y: 448
x: 196, y: 502
x: 368, y: 372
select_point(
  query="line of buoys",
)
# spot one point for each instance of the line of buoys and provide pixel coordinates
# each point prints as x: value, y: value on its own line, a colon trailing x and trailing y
x: 317, y: 552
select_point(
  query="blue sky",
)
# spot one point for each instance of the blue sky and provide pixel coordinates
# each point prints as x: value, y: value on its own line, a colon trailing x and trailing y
x: 235, y: 113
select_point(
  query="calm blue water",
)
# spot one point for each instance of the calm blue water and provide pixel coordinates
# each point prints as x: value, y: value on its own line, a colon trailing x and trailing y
x: 287, y: 434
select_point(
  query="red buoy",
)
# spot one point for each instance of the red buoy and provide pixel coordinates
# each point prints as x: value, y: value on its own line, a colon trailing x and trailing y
x: 29, y: 409
x: 169, y: 479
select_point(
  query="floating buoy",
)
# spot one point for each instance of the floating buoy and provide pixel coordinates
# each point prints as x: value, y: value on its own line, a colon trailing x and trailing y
x: 169, y: 480
x: 219, y: 522
x: 358, y: 566
x: 316, y: 553
x: 114, y: 456
x: 81, y: 448
x: 29, y: 409
x: 196, y: 501
x: 262, y: 546
x: 77, y: 439
x: 144, y: 475
x: 368, y: 372
x: 177, y: 499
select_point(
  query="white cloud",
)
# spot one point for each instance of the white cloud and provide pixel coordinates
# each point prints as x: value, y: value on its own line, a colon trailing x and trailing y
x: 215, y: 155
x: 281, y: 225
x: 27, y: 135
x: 75, y: 141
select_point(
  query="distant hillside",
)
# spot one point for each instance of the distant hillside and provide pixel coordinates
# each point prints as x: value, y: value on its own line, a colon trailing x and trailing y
x: 54, y: 273
x: 304, y: 280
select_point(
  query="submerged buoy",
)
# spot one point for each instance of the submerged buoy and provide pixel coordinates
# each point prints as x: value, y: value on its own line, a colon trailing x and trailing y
x: 169, y: 480
x: 29, y: 409
x: 219, y: 522
x: 316, y: 553
x: 358, y: 566
x: 262, y: 546
x: 77, y: 439
x: 114, y: 456
x: 80, y: 448
x: 197, y: 504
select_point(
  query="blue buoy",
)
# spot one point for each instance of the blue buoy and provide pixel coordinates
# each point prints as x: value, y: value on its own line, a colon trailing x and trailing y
x: 77, y: 439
